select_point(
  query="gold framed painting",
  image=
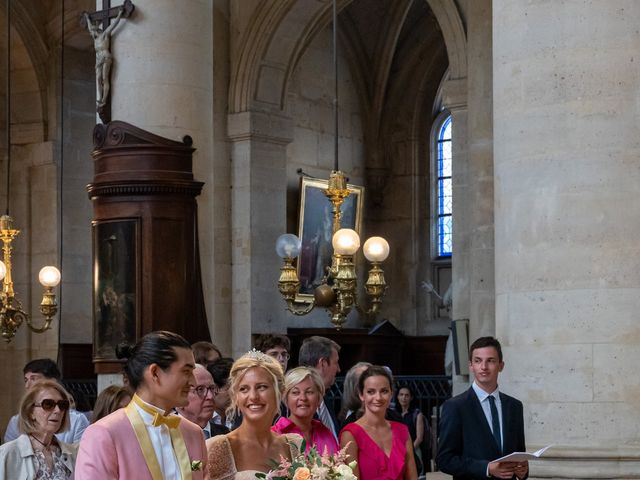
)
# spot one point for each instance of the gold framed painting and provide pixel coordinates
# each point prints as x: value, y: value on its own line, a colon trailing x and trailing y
x: 315, y: 230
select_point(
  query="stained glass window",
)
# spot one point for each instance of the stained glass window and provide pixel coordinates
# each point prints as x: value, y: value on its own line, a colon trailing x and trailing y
x: 444, y: 193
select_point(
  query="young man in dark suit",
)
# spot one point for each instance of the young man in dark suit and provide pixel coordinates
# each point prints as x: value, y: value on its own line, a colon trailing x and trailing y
x: 482, y: 424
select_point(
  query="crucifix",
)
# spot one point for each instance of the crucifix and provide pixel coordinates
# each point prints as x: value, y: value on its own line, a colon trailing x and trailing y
x: 102, y: 44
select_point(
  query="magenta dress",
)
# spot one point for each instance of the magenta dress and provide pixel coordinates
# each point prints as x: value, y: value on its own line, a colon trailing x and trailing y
x: 321, y: 436
x: 372, y: 461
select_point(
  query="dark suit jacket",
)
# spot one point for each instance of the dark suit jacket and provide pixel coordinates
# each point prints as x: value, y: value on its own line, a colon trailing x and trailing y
x: 217, y: 429
x: 466, y: 444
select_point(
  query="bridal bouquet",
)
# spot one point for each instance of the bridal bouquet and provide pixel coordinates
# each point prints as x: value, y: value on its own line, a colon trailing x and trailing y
x: 312, y: 466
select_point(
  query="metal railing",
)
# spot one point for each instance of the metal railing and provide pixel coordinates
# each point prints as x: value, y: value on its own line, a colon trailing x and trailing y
x: 430, y: 390
x: 84, y: 392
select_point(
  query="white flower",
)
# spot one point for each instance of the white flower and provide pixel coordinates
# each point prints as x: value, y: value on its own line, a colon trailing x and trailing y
x: 345, y: 472
x: 319, y: 473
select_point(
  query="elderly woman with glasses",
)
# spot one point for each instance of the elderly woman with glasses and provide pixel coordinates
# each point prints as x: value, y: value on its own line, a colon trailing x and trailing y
x: 37, y: 453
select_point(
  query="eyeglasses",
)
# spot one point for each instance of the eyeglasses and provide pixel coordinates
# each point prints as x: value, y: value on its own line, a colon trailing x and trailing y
x: 275, y: 354
x: 202, y: 390
x: 49, y: 404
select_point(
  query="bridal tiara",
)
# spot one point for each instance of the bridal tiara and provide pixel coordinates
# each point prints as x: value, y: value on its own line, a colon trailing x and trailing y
x: 258, y: 355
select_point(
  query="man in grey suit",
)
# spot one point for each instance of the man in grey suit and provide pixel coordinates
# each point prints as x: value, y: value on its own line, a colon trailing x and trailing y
x: 482, y: 424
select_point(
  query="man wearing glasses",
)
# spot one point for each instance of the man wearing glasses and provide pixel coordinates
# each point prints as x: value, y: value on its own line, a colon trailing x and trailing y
x: 276, y: 346
x: 201, y: 405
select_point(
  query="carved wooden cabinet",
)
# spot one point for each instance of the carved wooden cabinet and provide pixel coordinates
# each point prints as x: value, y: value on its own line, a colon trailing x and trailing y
x: 145, y: 240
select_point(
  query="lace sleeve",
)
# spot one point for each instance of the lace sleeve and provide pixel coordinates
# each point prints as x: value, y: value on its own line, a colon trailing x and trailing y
x: 220, y: 462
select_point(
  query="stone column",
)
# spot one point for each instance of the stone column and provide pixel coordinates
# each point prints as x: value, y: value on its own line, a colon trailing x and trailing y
x: 566, y: 228
x: 470, y: 102
x: 479, y: 172
x: 162, y: 82
x: 259, y: 157
x: 455, y: 100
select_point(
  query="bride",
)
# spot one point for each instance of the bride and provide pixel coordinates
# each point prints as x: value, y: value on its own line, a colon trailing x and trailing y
x: 256, y: 384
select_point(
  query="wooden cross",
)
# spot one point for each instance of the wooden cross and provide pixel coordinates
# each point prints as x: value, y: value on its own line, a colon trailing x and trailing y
x: 107, y: 13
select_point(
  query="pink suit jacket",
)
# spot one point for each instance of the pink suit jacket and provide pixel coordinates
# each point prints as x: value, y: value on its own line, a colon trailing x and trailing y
x: 110, y: 450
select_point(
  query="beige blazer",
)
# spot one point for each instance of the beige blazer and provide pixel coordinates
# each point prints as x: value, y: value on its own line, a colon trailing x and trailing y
x: 16, y: 458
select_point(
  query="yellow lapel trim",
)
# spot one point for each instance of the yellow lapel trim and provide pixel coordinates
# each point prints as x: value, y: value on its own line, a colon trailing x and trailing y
x: 180, y: 447
x: 177, y: 441
x: 142, y: 435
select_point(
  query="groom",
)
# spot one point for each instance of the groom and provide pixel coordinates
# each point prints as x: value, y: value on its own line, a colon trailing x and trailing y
x: 144, y: 441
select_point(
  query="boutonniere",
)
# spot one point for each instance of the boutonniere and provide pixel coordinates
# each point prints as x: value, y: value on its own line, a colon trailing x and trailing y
x: 196, y: 465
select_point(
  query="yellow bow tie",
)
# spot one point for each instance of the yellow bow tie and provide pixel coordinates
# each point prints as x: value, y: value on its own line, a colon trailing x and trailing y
x: 171, y: 421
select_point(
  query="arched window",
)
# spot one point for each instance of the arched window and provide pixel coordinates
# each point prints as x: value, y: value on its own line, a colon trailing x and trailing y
x: 443, y: 187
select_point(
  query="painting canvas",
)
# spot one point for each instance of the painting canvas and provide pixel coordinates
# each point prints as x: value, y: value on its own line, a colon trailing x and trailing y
x: 115, y: 273
x: 315, y: 230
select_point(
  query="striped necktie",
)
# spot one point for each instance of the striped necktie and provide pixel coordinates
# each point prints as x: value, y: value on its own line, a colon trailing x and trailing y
x: 325, y: 418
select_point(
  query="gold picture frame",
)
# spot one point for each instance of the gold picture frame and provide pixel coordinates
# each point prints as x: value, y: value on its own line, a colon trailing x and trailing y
x: 315, y: 230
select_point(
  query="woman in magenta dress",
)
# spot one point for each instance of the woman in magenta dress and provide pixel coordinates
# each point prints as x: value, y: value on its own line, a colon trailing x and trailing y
x: 303, y: 392
x: 383, y: 448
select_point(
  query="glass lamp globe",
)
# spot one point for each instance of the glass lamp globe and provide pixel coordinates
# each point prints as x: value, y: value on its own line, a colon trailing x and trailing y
x: 49, y: 276
x: 288, y: 245
x: 3, y: 270
x: 345, y: 241
x: 376, y: 249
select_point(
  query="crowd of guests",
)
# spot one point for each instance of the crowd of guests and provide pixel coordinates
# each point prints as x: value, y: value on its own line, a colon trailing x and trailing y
x: 241, y: 415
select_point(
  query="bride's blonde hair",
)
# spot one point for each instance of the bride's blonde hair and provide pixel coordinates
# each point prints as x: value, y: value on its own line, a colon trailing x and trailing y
x: 254, y: 359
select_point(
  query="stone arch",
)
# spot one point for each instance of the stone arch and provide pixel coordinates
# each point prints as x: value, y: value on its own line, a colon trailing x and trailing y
x: 279, y: 32
x: 38, y: 53
x: 455, y: 38
x: 276, y: 38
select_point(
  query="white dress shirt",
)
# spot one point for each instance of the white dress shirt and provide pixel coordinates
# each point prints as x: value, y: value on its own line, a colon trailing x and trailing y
x: 486, y: 408
x: 161, y: 441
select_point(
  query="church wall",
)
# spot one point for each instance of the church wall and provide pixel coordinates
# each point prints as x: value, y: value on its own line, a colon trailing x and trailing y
x: 309, y: 103
x: 258, y: 152
x: 26, y: 108
x: 219, y: 297
x: 476, y: 191
x: 77, y: 171
x: 566, y: 175
x: 402, y: 208
x: 34, y: 208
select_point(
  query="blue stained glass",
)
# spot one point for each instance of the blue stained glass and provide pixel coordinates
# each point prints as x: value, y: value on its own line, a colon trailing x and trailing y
x: 445, y: 193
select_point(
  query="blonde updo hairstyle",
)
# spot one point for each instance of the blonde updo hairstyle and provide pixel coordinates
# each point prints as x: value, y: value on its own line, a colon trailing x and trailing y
x: 240, y: 367
x: 300, y: 374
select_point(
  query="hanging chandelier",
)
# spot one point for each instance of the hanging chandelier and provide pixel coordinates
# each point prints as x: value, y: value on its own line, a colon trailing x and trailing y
x: 12, y: 314
x: 338, y: 290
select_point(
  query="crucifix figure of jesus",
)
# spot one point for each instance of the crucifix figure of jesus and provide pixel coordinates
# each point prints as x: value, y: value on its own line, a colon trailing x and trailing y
x: 102, y: 44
